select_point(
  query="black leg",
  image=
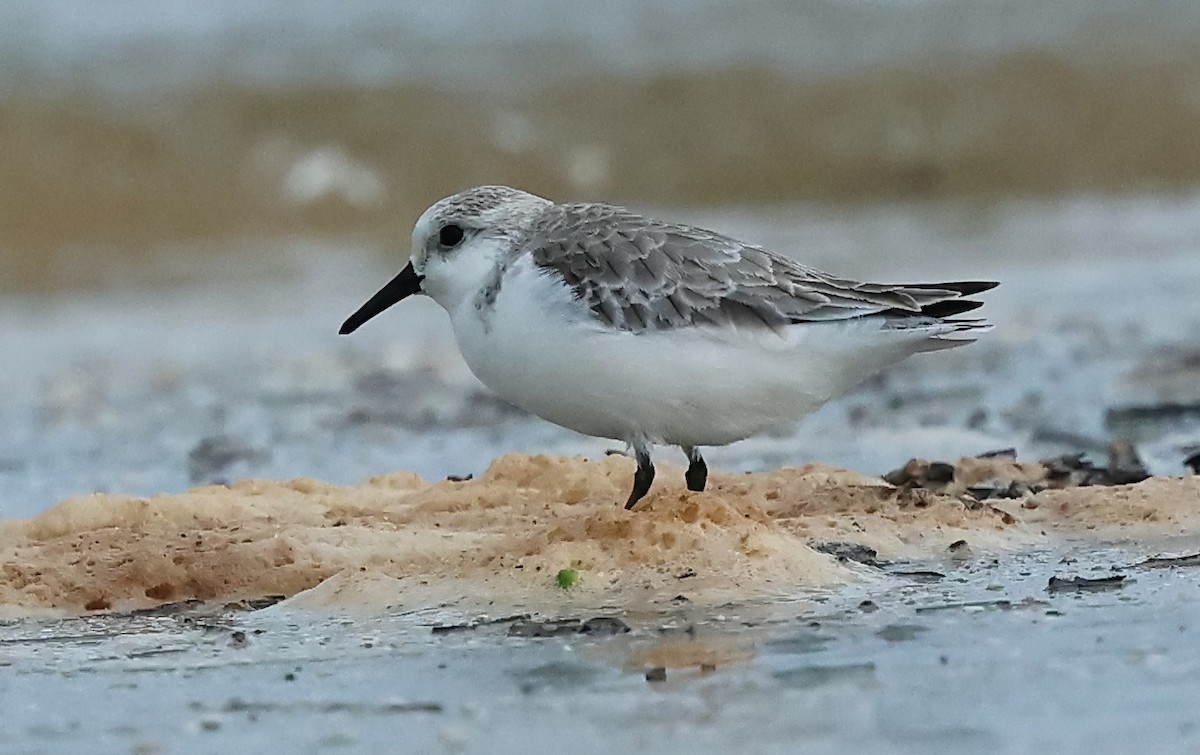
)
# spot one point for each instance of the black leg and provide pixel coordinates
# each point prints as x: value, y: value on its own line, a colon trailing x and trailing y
x: 644, y: 475
x: 697, y: 471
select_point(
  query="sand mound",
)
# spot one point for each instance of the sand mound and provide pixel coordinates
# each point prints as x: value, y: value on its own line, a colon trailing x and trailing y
x: 501, y: 539
x: 1159, y: 506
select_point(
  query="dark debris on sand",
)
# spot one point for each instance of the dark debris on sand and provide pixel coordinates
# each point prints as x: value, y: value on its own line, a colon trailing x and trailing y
x: 599, y: 625
x: 1013, y: 481
x: 1170, y: 562
x: 1085, y: 584
x: 483, y: 622
x: 846, y: 551
x: 524, y: 625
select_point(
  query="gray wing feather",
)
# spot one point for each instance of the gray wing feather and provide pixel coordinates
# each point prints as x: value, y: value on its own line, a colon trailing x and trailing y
x: 638, y: 274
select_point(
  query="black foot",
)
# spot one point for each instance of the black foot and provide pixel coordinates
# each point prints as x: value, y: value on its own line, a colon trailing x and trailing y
x: 697, y: 471
x: 642, y: 478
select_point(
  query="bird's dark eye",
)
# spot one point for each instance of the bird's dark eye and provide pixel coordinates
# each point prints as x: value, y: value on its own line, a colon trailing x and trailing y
x: 450, y: 235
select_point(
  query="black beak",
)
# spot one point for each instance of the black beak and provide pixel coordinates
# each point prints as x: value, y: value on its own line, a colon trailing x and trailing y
x: 401, y: 287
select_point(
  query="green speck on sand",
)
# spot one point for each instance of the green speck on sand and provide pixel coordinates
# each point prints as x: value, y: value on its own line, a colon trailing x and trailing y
x: 567, y: 578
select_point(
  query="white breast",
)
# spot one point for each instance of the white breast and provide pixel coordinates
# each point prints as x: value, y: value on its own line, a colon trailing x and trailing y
x: 540, y: 349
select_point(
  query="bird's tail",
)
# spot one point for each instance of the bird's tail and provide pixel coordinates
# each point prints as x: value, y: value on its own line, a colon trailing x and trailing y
x: 950, y: 333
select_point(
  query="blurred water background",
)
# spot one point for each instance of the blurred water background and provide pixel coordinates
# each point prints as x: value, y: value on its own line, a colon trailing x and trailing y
x: 135, y: 132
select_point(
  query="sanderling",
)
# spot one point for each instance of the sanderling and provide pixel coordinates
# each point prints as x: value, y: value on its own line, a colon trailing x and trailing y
x: 621, y: 326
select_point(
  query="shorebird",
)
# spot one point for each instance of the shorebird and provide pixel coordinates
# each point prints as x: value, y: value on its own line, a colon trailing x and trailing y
x: 621, y: 326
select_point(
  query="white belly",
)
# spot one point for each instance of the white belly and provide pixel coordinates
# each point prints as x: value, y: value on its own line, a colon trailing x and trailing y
x: 539, y: 349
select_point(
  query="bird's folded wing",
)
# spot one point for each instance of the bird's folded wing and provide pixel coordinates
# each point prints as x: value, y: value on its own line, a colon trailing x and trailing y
x: 638, y: 274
